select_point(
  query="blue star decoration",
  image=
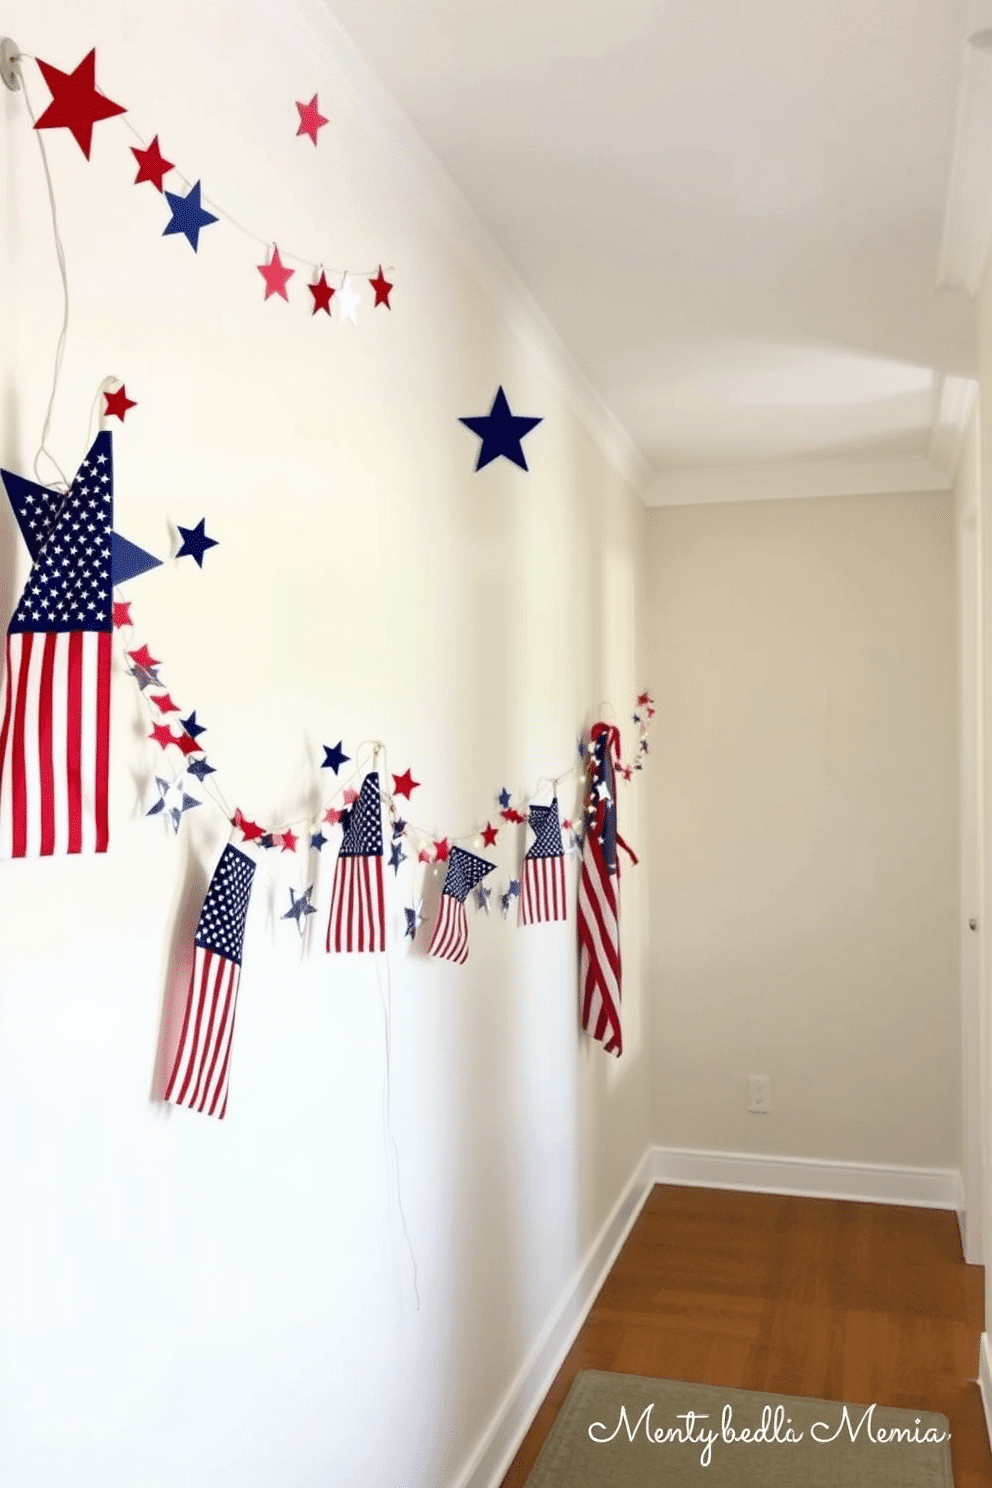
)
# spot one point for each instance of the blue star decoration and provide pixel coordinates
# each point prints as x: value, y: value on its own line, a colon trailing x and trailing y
x: 300, y: 908
x: 514, y: 888
x: 318, y: 840
x: 188, y: 216
x: 396, y: 856
x: 411, y: 923
x: 483, y: 894
x: 504, y: 904
x: 191, y: 726
x: 504, y: 798
x: 501, y: 432
x: 399, y: 827
x: 200, y: 769
x: 334, y: 757
x: 195, y: 541
x: 266, y: 840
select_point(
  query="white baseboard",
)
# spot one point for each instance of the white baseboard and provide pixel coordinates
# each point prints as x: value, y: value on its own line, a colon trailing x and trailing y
x: 985, y: 1380
x: 876, y: 1183
x: 501, y: 1440
x: 819, y: 1178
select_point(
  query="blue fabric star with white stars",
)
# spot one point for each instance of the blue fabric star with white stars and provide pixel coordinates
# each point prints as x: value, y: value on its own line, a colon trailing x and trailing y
x: 195, y: 541
x: 501, y: 432
x: 334, y: 757
x: 188, y: 216
x: 396, y: 857
x: 504, y: 798
x: 300, y: 908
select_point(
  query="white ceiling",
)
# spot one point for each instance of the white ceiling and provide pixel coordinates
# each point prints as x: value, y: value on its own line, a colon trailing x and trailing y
x: 730, y: 210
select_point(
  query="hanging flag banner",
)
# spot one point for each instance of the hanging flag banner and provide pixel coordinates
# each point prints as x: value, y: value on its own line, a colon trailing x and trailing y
x: 543, y: 878
x: 450, y: 938
x: 202, y: 1065
x: 358, y: 901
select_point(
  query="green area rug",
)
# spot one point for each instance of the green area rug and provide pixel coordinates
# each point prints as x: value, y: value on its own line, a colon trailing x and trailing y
x: 624, y: 1431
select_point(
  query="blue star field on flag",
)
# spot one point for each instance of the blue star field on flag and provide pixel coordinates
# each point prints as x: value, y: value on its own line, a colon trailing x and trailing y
x: 547, y: 832
x: 501, y: 432
x: 465, y: 870
x: 188, y: 216
x: 363, y: 833
x: 222, y: 921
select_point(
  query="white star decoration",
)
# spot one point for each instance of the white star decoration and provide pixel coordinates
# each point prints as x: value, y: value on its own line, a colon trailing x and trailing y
x: 347, y: 301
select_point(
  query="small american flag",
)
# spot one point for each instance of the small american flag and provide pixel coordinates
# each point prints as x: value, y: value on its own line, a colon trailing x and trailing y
x: 598, y: 915
x: 543, y: 877
x: 55, y: 698
x: 358, y: 905
x: 450, y: 938
x: 203, y: 1058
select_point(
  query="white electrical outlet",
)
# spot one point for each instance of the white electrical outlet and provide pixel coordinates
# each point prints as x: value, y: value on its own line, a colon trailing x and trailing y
x: 759, y: 1095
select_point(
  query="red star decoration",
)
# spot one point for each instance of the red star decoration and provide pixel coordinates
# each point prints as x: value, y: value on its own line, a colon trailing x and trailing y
x: 489, y: 835
x: 350, y: 797
x: 162, y: 734
x: 250, y: 830
x: 164, y: 703
x: 643, y: 699
x: 286, y: 840
x: 310, y: 119
x: 276, y: 275
x: 76, y: 104
x: 627, y: 772
x: 567, y: 823
x: 118, y: 403
x: 441, y: 850
x: 152, y: 165
x: 512, y: 816
x: 322, y: 292
x: 143, y: 657
x: 650, y: 712
x: 122, y: 612
x: 332, y: 816
x: 188, y: 744
x: 382, y: 286
x: 404, y: 784
x: 423, y: 856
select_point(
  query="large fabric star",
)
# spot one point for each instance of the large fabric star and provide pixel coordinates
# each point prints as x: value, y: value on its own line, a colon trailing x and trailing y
x: 322, y: 294
x: 382, y: 288
x: 152, y: 165
x: 188, y: 216
x: 76, y: 104
x: 118, y: 403
x: 310, y: 119
x: 195, y: 541
x: 300, y: 908
x: 396, y: 856
x: 276, y: 275
x: 501, y: 432
x: 404, y: 784
x: 334, y: 757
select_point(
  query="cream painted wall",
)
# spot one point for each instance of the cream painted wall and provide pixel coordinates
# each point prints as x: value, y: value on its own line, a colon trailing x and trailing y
x: 804, y: 885
x: 233, y: 1304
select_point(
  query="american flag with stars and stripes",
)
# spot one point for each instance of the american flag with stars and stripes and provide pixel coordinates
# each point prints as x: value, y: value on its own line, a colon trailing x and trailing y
x: 55, y: 697
x: 599, y: 910
x: 202, y: 1063
x: 450, y: 938
x: 358, y: 905
x: 543, y: 877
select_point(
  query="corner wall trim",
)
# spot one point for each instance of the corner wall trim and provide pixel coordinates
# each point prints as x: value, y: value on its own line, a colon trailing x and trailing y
x: 810, y: 1177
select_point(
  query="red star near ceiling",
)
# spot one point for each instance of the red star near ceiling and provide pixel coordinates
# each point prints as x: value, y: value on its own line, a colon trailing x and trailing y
x: 164, y: 703
x: 382, y: 287
x: 276, y: 275
x: 489, y: 835
x: 122, y: 612
x: 152, y: 165
x: 162, y: 734
x: 404, y: 784
x: 322, y: 292
x: 251, y: 830
x: 310, y: 119
x: 441, y: 850
x: 143, y: 657
x: 118, y: 403
x: 76, y: 104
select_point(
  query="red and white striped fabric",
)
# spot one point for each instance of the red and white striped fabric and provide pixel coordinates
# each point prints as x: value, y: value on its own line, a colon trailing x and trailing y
x: 450, y: 938
x: 202, y: 1063
x: 358, y: 899
x: 55, y: 743
x: 542, y: 880
x: 598, y: 914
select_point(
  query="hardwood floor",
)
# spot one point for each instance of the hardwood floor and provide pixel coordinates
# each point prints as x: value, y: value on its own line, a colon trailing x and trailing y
x: 840, y: 1301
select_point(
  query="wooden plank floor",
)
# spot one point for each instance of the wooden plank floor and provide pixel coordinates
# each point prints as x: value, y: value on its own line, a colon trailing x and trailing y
x: 840, y: 1301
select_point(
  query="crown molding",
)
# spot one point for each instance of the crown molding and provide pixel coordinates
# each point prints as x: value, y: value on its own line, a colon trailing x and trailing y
x: 967, y: 231
x: 954, y: 404
x: 788, y: 480
x: 312, y: 25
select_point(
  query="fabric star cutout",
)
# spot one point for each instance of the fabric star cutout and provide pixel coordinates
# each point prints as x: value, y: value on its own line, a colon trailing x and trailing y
x: 191, y: 726
x: 643, y: 699
x: 322, y: 293
x: 501, y: 432
x: 250, y: 830
x: 643, y: 746
x: 396, y: 856
x: 650, y: 712
x: 163, y: 791
x: 276, y: 275
x: 144, y: 676
x: 636, y: 717
x: 122, y: 612
x: 266, y: 840
x: 513, y: 816
x: 300, y: 908
x: 152, y: 165
x: 350, y: 796
x: 318, y: 840
x: 76, y: 104
x: 399, y: 827
x: 143, y: 657
x: 382, y: 288
x: 332, y: 816
x: 514, y: 889
x: 441, y: 850
x: 567, y: 823
x: 200, y: 769
x: 195, y: 541
x: 286, y: 840
x: 404, y: 784
x: 424, y: 856
x: 489, y: 835
x: 580, y: 745
x: 118, y: 403
x: 183, y: 804
x: 164, y: 703
x: 188, y: 216
x: 310, y: 119
x: 347, y: 301
x: 162, y: 734
x: 334, y: 757
x: 504, y: 904
x: 188, y: 745
x: 483, y: 894
x: 414, y: 917
x: 504, y: 797
x: 627, y: 772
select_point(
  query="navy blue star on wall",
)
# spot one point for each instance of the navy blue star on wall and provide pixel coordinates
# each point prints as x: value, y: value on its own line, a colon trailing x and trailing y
x: 501, y: 432
x: 195, y: 541
x: 188, y: 216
